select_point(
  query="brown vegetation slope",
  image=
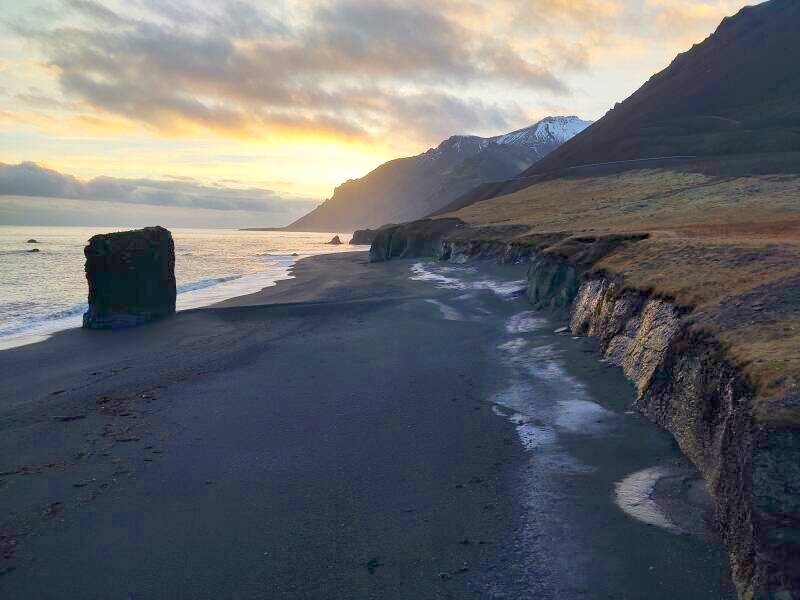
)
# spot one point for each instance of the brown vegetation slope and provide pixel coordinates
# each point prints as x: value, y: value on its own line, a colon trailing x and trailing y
x: 727, y: 247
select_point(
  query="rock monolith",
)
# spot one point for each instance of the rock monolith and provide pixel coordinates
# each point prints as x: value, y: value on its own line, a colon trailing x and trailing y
x: 131, y: 277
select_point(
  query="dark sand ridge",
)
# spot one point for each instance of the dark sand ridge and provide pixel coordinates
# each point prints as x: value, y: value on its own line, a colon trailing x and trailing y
x: 340, y: 444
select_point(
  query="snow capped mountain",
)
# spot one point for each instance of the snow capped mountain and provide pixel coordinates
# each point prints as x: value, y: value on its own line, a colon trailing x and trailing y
x: 555, y: 129
x: 460, y: 144
x: 540, y: 138
x: 413, y: 187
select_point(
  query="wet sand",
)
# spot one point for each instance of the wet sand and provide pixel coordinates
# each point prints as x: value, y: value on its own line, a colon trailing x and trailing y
x: 349, y: 433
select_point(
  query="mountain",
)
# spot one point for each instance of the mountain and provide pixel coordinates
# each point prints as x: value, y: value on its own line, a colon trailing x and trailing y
x: 728, y: 106
x: 410, y: 188
x: 737, y: 92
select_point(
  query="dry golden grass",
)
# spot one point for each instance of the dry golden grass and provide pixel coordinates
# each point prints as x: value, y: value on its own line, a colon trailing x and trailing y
x: 729, y: 248
x: 702, y: 272
x: 651, y: 199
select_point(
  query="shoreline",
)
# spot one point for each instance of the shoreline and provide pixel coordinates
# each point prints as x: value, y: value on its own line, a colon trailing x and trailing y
x: 227, y: 288
x: 245, y: 414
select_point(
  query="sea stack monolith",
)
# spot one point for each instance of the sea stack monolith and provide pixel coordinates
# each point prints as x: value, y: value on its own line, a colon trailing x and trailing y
x: 131, y: 276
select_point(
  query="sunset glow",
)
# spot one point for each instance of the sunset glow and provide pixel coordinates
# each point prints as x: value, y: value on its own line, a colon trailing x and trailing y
x: 298, y: 97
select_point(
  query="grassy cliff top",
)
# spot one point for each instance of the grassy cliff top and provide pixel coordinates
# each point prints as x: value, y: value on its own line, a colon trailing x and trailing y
x: 727, y: 247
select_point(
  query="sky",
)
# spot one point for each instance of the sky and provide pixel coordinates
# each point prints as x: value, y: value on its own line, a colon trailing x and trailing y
x: 250, y: 112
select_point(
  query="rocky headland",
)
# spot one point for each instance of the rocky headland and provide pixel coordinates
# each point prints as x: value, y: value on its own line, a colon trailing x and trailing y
x: 365, y: 237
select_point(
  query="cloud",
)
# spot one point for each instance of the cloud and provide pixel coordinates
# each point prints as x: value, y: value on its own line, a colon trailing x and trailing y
x: 547, y: 20
x: 316, y: 91
x: 440, y: 114
x: 689, y: 19
x: 344, y: 68
x: 30, y: 179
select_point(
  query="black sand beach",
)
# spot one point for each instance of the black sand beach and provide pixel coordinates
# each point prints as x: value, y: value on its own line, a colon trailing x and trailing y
x: 349, y: 433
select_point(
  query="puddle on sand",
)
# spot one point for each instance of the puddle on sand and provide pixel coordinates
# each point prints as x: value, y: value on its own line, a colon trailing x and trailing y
x: 575, y: 412
x: 517, y: 397
x: 448, y: 312
x: 634, y: 495
x: 539, y: 361
x: 532, y: 436
x: 514, y: 347
x: 525, y: 322
x: 580, y: 416
x: 501, y: 288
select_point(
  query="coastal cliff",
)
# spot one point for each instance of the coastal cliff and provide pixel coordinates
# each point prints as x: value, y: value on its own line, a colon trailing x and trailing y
x: 685, y: 382
x: 418, y: 238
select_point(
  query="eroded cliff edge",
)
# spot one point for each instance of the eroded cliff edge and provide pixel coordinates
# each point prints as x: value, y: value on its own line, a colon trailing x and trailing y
x: 685, y: 379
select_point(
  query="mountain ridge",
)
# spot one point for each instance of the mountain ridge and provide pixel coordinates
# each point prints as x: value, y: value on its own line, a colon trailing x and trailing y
x: 411, y: 187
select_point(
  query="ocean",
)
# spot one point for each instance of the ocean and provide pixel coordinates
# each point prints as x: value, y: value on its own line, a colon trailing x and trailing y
x: 44, y: 292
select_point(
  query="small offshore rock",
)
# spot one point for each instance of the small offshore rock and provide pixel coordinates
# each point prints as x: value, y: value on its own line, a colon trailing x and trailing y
x: 32, y: 241
x: 33, y: 250
x: 335, y: 240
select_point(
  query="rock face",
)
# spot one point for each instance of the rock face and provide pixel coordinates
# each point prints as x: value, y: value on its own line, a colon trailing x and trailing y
x: 485, y: 243
x: 418, y: 238
x: 335, y: 240
x: 365, y: 237
x: 552, y: 283
x: 131, y: 276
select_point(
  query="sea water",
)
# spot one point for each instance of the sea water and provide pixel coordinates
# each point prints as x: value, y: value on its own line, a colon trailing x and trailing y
x: 44, y: 292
